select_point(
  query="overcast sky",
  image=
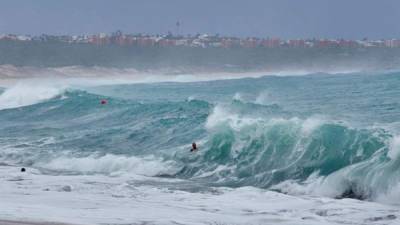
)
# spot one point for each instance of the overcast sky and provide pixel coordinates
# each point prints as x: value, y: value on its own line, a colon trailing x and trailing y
x: 275, y: 18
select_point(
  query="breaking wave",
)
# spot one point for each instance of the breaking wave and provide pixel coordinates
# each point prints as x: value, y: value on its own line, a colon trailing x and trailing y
x: 241, y: 143
x: 296, y: 156
x: 23, y: 94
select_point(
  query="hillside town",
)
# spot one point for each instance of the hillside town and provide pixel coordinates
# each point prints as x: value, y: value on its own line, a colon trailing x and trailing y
x: 203, y: 41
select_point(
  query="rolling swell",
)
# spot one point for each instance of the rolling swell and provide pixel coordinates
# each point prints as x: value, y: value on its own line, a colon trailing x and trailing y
x: 241, y: 144
x: 79, y: 126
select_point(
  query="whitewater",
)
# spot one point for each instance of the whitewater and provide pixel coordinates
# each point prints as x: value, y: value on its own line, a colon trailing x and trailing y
x: 295, y: 149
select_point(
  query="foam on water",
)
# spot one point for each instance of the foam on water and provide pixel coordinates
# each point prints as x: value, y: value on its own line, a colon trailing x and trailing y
x: 111, y: 164
x: 309, y: 137
x: 125, y: 200
x: 394, y: 149
x: 28, y: 93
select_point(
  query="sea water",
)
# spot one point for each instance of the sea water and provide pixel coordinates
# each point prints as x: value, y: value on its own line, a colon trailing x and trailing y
x: 312, y: 149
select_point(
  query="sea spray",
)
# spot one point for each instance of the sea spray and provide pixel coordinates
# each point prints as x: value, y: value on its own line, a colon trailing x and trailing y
x: 28, y: 93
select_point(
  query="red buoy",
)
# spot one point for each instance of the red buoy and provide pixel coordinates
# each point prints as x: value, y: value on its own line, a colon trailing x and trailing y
x: 103, y: 101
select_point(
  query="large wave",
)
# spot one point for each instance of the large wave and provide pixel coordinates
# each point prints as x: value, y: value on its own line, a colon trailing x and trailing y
x: 240, y: 143
x: 327, y: 157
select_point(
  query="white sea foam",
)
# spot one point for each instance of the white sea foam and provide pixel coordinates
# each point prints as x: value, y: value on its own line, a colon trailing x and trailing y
x: 375, y: 184
x: 28, y: 93
x: 394, y: 149
x: 310, y: 124
x: 221, y: 115
x: 314, y: 185
x: 112, y: 164
x: 128, y: 200
x: 391, y: 196
x: 191, y: 98
x: 238, y: 96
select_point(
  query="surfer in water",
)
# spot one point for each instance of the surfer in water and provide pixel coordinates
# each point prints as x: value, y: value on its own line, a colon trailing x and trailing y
x: 194, y: 147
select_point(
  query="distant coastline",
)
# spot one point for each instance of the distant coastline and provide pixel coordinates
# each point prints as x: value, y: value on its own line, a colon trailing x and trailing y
x: 197, y: 53
x: 204, y: 41
x: 190, y: 59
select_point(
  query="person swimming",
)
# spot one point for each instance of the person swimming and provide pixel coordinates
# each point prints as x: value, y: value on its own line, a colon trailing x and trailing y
x: 194, y: 147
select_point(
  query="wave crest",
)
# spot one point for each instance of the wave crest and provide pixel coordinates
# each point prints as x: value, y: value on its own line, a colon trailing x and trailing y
x: 296, y: 155
x: 27, y: 93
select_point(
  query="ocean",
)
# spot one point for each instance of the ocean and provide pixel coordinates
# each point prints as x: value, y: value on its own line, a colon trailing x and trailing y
x: 296, y: 149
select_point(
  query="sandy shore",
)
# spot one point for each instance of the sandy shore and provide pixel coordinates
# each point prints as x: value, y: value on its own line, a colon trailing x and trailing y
x: 14, y: 222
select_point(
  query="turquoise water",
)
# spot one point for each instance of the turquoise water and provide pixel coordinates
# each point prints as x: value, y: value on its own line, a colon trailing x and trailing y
x: 319, y: 131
